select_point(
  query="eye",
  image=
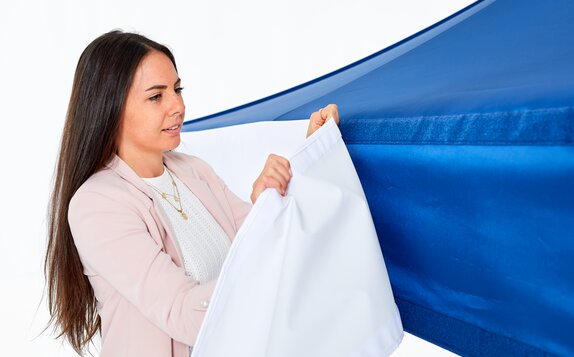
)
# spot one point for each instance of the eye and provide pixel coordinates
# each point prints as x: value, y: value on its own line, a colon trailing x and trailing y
x: 155, y: 98
x: 178, y: 90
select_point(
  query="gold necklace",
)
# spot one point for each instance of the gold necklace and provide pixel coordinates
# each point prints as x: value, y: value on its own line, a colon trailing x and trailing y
x: 176, y: 198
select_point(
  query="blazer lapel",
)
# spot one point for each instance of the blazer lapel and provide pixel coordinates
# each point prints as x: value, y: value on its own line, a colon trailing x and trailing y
x: 128, y: 174
x: 203, y: 192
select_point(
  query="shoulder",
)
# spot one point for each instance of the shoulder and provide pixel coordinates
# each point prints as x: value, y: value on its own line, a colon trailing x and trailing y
x: 105, y: 182
x: 103, y: 189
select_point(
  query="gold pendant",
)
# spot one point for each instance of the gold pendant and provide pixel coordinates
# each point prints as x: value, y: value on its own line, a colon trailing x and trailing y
x: 183, y: 215
x: 176, y: 199
x: 164, y: 196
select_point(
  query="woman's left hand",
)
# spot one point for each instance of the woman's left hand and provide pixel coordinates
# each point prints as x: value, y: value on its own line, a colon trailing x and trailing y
x: 276, y: 174
x: 321, y: 116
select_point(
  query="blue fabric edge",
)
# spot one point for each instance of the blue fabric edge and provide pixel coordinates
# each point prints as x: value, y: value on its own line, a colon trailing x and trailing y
x: 467, y: 340
x: 548, y: 126
x: 318, y: 79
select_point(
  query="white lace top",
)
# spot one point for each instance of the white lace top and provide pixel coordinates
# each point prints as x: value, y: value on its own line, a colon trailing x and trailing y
x: 202, y: 241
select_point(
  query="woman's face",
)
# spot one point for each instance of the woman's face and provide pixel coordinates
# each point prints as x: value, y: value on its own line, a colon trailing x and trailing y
x: 154, y: 109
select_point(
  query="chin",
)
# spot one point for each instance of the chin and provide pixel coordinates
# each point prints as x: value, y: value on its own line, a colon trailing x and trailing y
x: 174, y: 144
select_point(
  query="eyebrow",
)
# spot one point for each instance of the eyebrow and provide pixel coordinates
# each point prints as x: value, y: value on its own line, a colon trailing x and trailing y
x: 163, y: 86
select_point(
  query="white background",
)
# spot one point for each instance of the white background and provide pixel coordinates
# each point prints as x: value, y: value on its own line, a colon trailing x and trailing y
x: 228, y: 53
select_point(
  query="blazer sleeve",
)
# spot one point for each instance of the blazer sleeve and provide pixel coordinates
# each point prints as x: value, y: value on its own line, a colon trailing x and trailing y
x: 114, y: 243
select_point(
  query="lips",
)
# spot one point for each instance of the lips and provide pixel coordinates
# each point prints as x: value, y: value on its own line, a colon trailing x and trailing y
x: 172, y: 128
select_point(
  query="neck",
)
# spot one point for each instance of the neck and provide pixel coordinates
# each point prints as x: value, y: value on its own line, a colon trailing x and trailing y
x: 144, y: 164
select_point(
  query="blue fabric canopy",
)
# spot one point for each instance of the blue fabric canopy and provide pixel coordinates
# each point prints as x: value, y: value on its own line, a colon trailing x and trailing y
x: 463, y: 137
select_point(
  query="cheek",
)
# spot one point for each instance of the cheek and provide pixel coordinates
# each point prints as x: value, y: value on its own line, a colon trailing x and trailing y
x: 142, y: 123
x: 132, y: 131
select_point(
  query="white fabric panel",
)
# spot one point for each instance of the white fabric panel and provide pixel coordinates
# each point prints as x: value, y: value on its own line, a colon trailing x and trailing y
x: 305, y: 275
x: 238, y: 153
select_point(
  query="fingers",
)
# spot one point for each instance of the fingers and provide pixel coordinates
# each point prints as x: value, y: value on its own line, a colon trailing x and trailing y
x: 315, y: 122
x: 331, y: 111
x: 281, y: 174
x: 276, y: 174
x: 318, y: 118
x: 276, y: 183
x: 321, y: 116
x: 280, y: 160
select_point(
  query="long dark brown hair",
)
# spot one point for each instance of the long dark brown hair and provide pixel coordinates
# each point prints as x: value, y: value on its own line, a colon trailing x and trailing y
x: 101, y: 83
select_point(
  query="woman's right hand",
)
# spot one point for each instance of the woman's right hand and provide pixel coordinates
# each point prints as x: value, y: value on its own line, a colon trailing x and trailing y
x: 275, y: 174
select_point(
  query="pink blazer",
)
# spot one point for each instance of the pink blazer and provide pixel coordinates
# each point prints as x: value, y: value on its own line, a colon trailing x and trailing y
x: 147, y: 305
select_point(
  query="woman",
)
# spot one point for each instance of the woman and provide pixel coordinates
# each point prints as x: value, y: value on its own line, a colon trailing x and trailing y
x: 137, y: 232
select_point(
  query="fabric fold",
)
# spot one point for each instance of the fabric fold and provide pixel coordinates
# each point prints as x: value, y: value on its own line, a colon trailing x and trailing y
x: 305, y: 275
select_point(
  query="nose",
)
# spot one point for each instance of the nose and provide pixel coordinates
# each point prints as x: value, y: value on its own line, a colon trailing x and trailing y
x: 177, y: 107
